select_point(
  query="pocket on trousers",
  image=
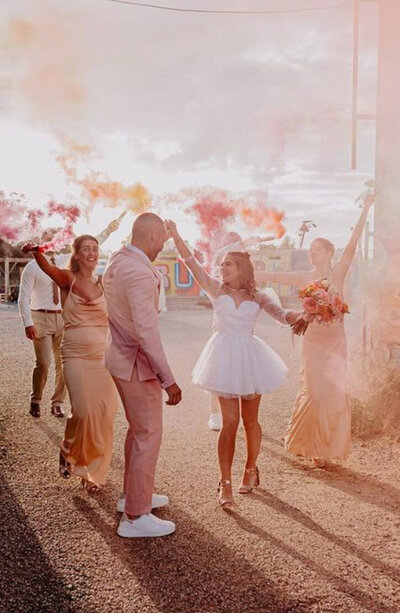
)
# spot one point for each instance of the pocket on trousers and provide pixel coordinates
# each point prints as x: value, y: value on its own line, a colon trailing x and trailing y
x: 40, y: 323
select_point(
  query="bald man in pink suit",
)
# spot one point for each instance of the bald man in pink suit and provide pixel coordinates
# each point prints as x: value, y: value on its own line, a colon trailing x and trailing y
x: 136, y: 360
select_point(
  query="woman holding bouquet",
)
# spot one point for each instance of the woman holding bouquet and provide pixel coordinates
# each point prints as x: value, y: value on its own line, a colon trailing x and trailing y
x: 320, y: 425
x: 236, y: 365
x: 87, y: 445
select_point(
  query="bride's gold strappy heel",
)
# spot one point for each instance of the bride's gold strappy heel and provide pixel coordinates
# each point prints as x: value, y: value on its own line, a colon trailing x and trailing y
x: 254, y: 476
x: 225, y: 499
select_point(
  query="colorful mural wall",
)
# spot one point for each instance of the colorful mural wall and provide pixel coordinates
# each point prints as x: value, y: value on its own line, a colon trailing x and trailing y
x: 177, y: 279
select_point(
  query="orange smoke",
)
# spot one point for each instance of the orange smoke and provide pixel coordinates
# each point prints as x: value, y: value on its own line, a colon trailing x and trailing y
x: 264, y: 218
x: 42, y: 62
x: 96, y: 186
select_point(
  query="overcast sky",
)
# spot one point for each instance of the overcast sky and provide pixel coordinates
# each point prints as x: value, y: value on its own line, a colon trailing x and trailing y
x: 176, y: 100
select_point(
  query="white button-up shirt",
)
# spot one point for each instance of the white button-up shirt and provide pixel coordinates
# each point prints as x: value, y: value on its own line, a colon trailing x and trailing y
x: 36, y: 290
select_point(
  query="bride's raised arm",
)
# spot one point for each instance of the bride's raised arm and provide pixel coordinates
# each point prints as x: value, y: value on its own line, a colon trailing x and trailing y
x: 210, y: 285
x: 343, y: 265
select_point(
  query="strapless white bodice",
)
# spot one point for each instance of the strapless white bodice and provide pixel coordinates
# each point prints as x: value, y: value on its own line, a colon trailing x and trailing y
x: 232, y: 320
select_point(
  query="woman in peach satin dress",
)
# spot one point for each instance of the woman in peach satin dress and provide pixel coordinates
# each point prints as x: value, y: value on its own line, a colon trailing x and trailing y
x: 320, y: 425
x: 87, y: 445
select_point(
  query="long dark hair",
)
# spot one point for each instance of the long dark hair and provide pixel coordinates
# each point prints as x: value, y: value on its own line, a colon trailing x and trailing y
x: 73, y: 264
x: 246, y: 271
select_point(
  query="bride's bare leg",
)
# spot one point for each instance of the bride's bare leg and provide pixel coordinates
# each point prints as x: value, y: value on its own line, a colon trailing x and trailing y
x: 249, y: 410
x: 226, y: 441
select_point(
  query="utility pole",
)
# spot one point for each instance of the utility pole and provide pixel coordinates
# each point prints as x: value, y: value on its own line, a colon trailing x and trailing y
x: 304, y: 228
x: 356, y: 116
x: 387, y: 207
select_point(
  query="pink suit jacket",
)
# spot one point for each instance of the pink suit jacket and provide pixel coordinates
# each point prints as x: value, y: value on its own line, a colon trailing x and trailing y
x: 132, y: 285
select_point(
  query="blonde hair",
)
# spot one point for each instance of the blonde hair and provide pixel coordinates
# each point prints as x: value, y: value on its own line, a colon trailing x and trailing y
x: 73, y: 264
x: 246, y: 271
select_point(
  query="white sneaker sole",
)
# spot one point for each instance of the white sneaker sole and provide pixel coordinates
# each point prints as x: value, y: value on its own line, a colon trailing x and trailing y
x: 129, y: 535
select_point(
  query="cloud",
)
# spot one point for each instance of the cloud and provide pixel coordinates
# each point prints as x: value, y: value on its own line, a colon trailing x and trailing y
x: 262, y: 92
x: 182, y: 100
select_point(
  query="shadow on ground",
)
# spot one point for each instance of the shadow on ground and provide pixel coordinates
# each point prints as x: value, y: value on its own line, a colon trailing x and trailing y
x: 189, y: 570
x: 28, y: 581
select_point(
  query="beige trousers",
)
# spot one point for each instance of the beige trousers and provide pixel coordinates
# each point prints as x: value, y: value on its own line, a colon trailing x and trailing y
x: 49, y: 328
x: 142, y: 401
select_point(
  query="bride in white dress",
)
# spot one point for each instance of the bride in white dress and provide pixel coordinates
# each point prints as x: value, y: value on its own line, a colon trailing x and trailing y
x: 235, y: 364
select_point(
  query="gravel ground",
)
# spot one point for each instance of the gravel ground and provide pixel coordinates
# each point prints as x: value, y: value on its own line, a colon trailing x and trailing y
x: 306, y: 541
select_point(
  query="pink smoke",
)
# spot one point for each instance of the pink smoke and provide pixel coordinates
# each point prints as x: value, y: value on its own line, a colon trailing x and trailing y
x: 71, y: 214
x: 217, y: 211
x: 213, y: 212
x: 17, y: 221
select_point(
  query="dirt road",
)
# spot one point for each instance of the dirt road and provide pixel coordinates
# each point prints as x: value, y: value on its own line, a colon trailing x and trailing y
x: 306, y: 541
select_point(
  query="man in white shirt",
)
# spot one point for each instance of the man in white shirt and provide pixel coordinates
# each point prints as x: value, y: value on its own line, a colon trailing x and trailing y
x: 40, y: 308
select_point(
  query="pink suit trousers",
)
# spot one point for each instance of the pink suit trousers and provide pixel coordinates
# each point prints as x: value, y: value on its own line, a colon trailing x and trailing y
x: 142, y: 401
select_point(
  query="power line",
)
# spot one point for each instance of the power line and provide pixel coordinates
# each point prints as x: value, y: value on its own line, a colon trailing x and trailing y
x: 229, y: 12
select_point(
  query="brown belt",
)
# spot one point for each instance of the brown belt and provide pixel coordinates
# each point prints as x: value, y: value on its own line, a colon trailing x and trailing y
x: 45, y: 311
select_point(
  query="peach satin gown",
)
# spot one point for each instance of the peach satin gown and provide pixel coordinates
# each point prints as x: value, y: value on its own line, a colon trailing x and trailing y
x: 320, y: 425
x: 88, y: 437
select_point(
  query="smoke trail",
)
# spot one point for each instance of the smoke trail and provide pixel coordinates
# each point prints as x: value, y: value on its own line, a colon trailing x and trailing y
x: 96, y: 187
x: 217, y: 211
x: 71, y: 214
x: 17, y: 221
x: 263, y: 218
x: 213, y: 212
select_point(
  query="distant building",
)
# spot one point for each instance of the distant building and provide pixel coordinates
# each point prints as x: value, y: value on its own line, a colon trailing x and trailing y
x: 179, y: 281
x: 275, y: 259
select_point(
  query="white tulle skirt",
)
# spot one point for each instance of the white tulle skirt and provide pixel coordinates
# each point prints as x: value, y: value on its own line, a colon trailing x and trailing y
x: 236, y: 366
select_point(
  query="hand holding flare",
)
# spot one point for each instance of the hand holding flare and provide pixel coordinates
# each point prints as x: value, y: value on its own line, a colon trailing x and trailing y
x: 32, y: 248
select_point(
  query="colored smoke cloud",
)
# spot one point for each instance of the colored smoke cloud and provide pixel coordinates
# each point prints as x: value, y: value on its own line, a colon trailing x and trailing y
x: 70, y: 215
x: 220, y: 211
x: 19, y: 223
x: 96, y: 187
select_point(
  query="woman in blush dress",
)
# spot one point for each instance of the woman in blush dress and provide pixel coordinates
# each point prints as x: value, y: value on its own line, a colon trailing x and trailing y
x: 87, y: 445
x: 320, y: 425
x: 235, y: 364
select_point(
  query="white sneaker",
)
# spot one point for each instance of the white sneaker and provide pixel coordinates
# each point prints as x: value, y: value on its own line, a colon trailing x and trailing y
x: 215, y: 421
x: 144, y: 526
x: 157, y: 501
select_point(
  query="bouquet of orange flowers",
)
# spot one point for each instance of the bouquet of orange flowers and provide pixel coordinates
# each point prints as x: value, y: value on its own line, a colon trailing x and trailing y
x: 322, y: 302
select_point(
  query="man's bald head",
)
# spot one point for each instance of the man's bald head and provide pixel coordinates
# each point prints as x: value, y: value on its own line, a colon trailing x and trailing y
x: 149, y: 234
x: 145, y: 224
